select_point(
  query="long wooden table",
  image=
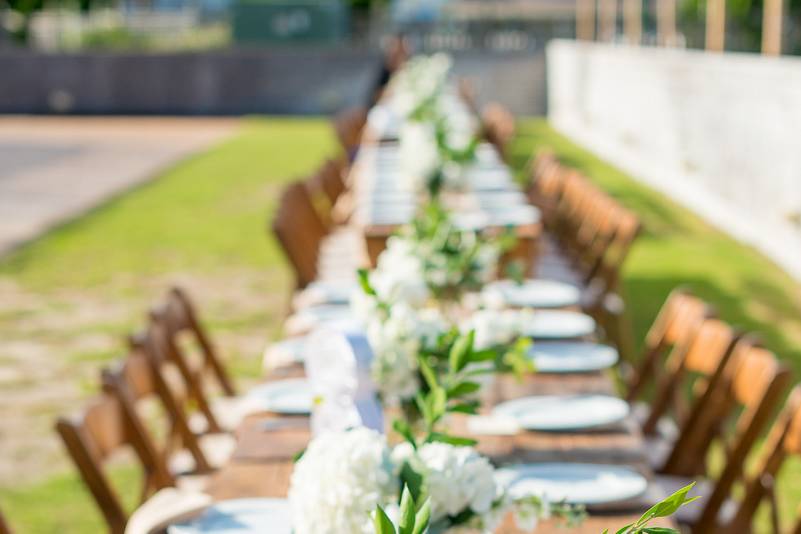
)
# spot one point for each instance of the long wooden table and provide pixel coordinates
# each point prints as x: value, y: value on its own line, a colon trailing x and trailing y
x: 261, y: 466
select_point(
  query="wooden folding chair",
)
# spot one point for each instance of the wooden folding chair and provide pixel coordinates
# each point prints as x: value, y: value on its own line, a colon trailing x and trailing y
x: 144, y: 376
x: 299, y: 232
x: 348, y: 125
x: 783, y: 441
x: 499, y: 126
x: 92, y: 438
x: 332, y: 178
x: 733, y: 414
x: 546, y: 184
x: 677, y: 321
x: 607, y: 268
x: 695, y: 367
x: 178, y: 316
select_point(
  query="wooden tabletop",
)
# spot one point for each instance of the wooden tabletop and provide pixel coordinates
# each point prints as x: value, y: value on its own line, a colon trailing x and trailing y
x: 261, y: 466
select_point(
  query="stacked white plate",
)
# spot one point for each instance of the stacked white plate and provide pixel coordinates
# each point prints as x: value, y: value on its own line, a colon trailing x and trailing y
x: 571, y: 357
x: 559, y: 324
x: 564, y: 413
x: 583, y: 484
x: 289, y: 397
x: 535, y: 293
x: 240, y: 516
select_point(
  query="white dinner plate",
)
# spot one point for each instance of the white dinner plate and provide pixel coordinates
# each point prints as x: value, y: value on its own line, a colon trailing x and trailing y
x: 514, y: 215
x: 240, y: 516
x: 285, y: 352
x: 586, y: 484
x: 491, y: 179
x: 470, y: 220
x: 564, y: 413
x: 500, y: 200
x: 559, y: 324
x: 323, y: 313
x: 536, y: 293
x: 571, y: 357
x: 292, y: 396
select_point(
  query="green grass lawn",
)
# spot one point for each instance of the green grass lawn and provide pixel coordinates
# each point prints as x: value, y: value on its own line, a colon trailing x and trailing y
x: 207, y: 216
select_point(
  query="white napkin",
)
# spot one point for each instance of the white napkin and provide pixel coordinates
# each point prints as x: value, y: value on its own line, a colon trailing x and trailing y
x: 492, y: 425
x: 166, y: 507
x: 338, y: 368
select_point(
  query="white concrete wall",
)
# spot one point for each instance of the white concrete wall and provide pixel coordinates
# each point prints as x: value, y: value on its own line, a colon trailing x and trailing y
x: 720, y: 133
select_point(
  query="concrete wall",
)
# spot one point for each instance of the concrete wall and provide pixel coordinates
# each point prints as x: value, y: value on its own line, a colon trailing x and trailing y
x: 305, y: 81
x: 720, y: 133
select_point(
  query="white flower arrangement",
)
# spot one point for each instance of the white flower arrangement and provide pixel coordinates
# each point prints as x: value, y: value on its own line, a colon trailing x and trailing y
x: 339, y: 481
x: 418, y: 156
x: 463, y: 491
x: 396, y: 342
x: 344, y: 476
x: 399, y: 274
x: 457, y: 479
x: 420, y: 80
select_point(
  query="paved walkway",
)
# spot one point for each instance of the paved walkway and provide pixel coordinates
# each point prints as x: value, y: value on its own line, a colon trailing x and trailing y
x: 53, y: 169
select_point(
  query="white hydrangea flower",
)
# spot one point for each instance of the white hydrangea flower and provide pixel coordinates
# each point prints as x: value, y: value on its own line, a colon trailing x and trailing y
x: 396, y: 342
x: 338, y: 482
x: 457, y: 479
x: 418, y: 155
x: 398, y: 276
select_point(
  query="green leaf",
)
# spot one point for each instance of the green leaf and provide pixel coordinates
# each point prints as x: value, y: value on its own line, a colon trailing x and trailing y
x: 423, y: 518
x: 382, y: 523
x: 428, y: 373
x: 669, y: 505
x: 457, y: 358
x: 402, y: 427
x: 364, y: 282
x: 439, y: 402
x: 298, y: 455
x: 482, y: 355
x: 463, y: 388
x: 425, y: 408
x: 469, y: 407
x: 407, y: 512
x: 412, y: 480
x: 451, y: 440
